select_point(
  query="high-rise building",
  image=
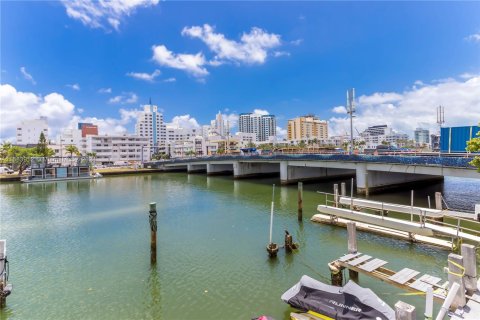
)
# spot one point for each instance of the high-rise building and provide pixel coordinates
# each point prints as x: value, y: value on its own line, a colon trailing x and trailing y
x: 28, y: 131
x: 150, y: 124
x: 307, y: 127
x: 422, y: 136
x: 263, y: 126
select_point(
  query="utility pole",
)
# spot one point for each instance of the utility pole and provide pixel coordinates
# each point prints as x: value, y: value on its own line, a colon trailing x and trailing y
x: 351, y: 111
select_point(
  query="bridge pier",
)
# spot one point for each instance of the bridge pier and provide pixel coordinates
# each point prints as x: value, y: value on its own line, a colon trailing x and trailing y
x: 196, y: 168
x: 292, y: 174
x: 371, y: 181
x: 249, y: 169
x: 219, y: 169
x: 174, y: 168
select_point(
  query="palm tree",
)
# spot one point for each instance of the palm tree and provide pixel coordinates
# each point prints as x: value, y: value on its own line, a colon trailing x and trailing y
x: 72, y: 149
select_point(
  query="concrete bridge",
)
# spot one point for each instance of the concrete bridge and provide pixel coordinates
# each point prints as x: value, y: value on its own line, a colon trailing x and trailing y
x: 372, y: 173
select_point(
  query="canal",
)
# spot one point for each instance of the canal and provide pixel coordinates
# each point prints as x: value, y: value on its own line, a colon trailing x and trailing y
x: 81, y: 249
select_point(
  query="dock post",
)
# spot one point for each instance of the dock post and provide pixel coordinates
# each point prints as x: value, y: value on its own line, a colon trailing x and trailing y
x: 367, y: 191
x: 336, y: 274
x: 352, y: 246
x: 404, y: 311
x: 153, y: 232
x: 438, y: 201
x: 429, y: 304
x: 335, y: 194
x: 470, y: 265
x: 5, y: 288
x: 455, y: 275
x: 343, y: 189
x: 300, y: 201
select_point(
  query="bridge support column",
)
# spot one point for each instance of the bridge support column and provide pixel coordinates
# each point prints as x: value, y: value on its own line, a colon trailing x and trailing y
x: 370, y: 181
x: 249, y: 169
x: 196, y: 168
x: 293, y: 174
x: 219, y: 169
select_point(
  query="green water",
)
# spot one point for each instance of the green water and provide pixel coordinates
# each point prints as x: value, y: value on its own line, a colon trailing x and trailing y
x: 81, y: 250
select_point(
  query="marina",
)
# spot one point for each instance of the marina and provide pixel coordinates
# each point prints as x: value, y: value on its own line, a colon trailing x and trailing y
x: 91, y: 249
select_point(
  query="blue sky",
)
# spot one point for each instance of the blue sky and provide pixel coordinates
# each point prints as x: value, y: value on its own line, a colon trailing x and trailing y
x: 295, y: 58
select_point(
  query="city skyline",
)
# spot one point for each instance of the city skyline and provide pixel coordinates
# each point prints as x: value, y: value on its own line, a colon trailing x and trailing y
x: 193, y: 61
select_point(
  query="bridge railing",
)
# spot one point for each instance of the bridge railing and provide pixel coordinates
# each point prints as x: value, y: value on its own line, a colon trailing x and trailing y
x: 437, y: 161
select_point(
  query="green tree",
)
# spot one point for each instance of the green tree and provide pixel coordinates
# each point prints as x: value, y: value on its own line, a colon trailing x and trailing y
x: 20, y: 157
x: 251, y: 145
x: 72, y: 150
x: 42, y: 146
x: 474, y: 146
x: 4, y: 151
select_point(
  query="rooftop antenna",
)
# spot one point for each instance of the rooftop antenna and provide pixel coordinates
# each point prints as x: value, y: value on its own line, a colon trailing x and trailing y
x: 351, y: 111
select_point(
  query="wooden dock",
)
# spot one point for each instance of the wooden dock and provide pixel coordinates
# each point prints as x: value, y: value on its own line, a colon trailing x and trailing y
x: 406, y: 279
x: 425, y: 227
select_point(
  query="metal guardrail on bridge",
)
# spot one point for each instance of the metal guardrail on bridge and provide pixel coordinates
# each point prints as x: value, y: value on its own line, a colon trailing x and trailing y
x: 438, y: 161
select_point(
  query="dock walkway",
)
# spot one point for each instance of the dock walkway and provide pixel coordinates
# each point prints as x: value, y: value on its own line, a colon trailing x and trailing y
x: 405, y: 279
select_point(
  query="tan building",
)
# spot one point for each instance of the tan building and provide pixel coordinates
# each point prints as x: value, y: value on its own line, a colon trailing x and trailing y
x: 307, y: 128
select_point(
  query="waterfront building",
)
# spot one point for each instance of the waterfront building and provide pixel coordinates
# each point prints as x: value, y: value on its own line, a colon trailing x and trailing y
x: 307, y: 128
x: 197, y: 145
x: 245, y: 138
x: 454, y: 139
x: 421, y: 136
x: 180, y: 134
x: 150, y: 125
x: 263, y: 126
x: 117, y: 148
x: 28, y: 131
x: 382, y: 134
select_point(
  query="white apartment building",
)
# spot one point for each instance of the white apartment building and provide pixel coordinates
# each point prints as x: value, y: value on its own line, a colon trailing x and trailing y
x: 28, y: 131
x: 376, y: 135
x: 181, y: 134
x: 150, y: 125
x: 263, y: 126
x: 245, y: 138
x: 199, y: 145
x: 118, y: 148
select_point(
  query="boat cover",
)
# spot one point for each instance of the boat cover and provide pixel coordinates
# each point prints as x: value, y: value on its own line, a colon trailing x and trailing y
x: 350, y: 302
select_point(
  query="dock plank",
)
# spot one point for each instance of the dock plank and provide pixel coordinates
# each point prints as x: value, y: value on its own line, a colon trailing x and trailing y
x: 349, y: 256
x: 404, y: 275
x: 359, y: 260
x: 373, y: 264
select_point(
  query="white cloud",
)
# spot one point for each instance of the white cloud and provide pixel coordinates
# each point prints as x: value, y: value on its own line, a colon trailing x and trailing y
x: 124, y: 98
x: 184, y: 121
x: 149, y: 77
x: 297, y: 42
x: 417, y: 106
x: 252, y: 48
x: 104, y: 14
x: 191, y: 63
x: 105, y: 90
x: 18, y: 106
x: 74, y: 86
x: 281, y: 133
x: 340, y: 110
x: 475, y: 37
x: 277, y: 54
x: 109, y: 125
x: 170, y: 80
x: 231, y: 119
x: 27, y: 75
x: 261, y: 112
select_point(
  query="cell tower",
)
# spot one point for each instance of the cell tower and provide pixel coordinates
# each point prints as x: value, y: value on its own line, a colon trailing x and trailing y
x: 440, y: 116
x: 351, y: 111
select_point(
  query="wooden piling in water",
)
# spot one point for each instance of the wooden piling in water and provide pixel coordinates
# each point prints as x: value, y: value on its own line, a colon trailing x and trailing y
x: 470, y: 265
x: 343, y: 189
x: 335, y: 194
x: 153, y: 232
x: 300, y: 201
x: 404, y: 311
x: 456, y: 272
x: 438, y: 201
x: 352, y: 246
